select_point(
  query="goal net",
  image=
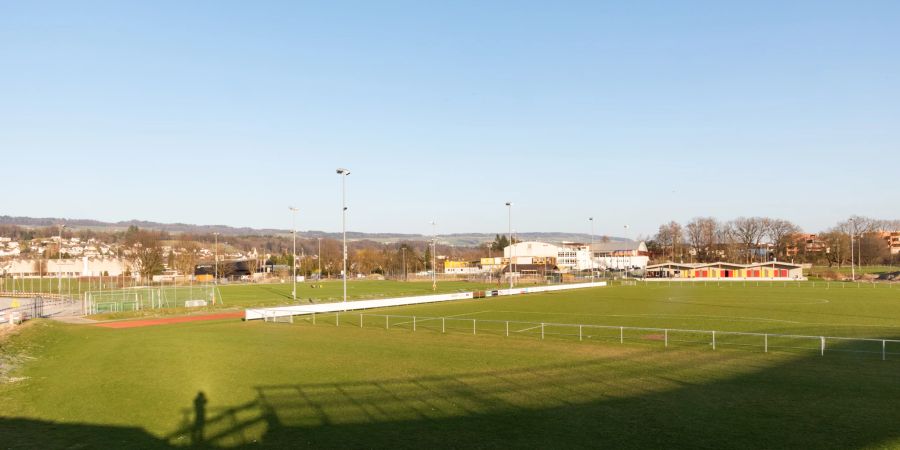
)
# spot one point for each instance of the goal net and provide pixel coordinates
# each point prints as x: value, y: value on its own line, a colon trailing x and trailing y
x: 141, y: 298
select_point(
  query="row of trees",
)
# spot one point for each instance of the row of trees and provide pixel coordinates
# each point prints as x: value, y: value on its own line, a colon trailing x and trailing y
x: 705, y: 239
x: 750, y: 239
x: 146, y: 253
x: 148, y: 258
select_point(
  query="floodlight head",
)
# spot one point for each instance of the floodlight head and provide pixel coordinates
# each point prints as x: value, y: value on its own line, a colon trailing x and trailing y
x: 293, y: 208
x: 591, y: 219
x: 342, y: 171
x: 508, y: 203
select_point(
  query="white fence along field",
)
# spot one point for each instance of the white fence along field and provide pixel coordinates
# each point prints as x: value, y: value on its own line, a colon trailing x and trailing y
x: 665, y: 337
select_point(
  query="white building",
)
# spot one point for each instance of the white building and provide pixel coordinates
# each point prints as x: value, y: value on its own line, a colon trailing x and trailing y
x: 621, y: 255
x: 531, y: 248
x: 67, y: 267
x: 575, y: 256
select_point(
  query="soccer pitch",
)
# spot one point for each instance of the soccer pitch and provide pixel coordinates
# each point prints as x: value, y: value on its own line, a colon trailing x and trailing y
x: 299, y: 385
x: 829, y: 309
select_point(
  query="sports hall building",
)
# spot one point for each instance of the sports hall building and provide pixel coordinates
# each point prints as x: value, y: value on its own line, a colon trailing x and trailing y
x: 772, y: 270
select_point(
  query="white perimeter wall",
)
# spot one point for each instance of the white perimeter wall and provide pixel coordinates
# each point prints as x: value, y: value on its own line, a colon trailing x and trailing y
x: 282, y: 311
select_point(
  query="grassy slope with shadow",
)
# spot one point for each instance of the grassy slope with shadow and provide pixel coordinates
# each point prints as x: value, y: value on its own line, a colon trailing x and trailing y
x: 284, y: 386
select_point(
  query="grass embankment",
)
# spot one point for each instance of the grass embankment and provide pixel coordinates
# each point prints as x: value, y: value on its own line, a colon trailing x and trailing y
x: 328, y: 386
x: 348, y: 387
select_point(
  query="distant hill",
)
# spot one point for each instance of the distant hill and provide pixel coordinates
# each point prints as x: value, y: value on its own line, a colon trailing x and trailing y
x: 458, y: 239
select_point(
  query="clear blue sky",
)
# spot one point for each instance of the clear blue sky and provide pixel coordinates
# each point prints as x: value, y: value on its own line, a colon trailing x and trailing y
x: 632, y: 112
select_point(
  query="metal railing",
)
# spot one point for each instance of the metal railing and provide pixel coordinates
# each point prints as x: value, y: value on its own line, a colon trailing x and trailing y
x: 712, y: 339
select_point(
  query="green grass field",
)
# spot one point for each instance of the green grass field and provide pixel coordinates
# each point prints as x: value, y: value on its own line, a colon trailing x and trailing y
x: 300, y: 385
x: 271, y: 294
x: 248, y: 295
x: 261, y: 294
x: 845, y: 270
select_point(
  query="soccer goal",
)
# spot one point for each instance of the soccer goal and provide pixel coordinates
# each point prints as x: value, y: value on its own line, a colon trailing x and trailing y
x: 191, y: 296
x: 140, y: 298
x: 117, y: 300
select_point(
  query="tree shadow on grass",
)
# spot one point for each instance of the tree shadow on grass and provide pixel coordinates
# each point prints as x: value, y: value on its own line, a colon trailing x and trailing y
x: 836, y: 401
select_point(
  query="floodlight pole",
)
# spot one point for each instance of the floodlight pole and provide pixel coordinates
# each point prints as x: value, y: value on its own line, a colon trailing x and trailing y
x: 216, y: 273
x: 625, y: 273
x: 319, y: 258
x: 433, y: 256
x: 403, y: 251
x: 59, y: 262
x: 294, y: 254
x: 852, y: 270
x: 343, y: 173
x: 511, y: 256
x: 591, y: 249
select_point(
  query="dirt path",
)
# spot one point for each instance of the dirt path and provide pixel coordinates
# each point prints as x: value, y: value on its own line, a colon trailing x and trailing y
x: 170, y: 320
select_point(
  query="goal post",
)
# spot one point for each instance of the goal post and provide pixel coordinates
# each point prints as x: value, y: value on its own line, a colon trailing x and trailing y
x: 134, y: 299
x: 188, y: 296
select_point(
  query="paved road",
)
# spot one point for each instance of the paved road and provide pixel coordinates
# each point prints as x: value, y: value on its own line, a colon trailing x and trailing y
x: 6, y: 302
x: 52, y: 308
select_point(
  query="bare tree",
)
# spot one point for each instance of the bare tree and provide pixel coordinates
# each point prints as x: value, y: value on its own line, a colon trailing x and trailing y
x: 702, y: 236
x: 187, y: 257
x: 749, y: 231
x: 40, y: 267
x: 837, y: 243
x: 873, y: 249
x: 780, y: 232
x: 670, y: 235
x: 145, y: 252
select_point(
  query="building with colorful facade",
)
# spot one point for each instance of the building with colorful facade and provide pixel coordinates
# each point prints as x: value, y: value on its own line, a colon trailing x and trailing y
x: 893, y: 241
x: 772, y: 270
x: 462, y: 267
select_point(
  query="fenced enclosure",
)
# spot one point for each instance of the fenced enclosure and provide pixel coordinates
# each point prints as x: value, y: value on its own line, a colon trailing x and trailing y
x: 665, y: 337
x: 141, y: 298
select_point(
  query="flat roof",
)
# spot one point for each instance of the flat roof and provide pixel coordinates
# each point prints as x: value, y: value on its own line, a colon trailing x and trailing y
x: 724, y: 263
